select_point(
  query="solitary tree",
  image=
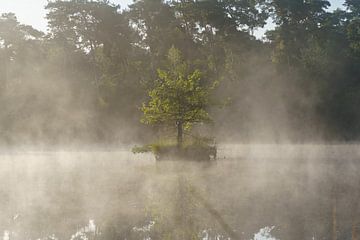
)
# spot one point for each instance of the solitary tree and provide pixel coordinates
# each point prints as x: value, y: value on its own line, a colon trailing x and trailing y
x: 180, y: 96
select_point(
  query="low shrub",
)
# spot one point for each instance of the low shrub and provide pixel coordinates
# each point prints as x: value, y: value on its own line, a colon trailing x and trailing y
x: 167, y: 150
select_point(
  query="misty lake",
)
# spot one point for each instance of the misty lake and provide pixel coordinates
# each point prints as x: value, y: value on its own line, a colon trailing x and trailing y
x: 273, y: 191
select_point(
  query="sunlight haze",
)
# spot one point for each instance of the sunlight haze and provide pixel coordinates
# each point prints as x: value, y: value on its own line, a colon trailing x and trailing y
x: 32, y: 12
x: 179, y: 120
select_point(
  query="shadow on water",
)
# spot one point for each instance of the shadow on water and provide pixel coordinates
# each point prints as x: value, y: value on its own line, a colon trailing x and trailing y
x: 279, y: 192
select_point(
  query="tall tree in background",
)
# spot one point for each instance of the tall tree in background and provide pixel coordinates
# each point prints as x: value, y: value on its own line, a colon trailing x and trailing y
x: 104, y: 59
x: 353, y: 28
x: 99, y: 31
x: 17, y: 41
x: 93, y: 27
x: 296, y: 22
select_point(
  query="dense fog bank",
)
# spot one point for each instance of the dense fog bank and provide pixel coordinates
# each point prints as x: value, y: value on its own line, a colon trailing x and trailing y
x: 304, y: 191
x: 85, y: 80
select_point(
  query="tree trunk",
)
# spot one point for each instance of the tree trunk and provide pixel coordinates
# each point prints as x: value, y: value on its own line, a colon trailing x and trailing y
x: 179, y: 134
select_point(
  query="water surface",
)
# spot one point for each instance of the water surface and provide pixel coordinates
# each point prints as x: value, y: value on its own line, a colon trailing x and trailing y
x: 292, y: 191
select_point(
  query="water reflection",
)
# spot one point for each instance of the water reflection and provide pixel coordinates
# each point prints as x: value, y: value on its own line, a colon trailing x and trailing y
x: 306, y: 192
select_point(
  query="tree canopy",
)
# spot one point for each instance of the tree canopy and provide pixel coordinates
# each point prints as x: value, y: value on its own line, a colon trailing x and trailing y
x: 98, y: 63
x: 179, y: 96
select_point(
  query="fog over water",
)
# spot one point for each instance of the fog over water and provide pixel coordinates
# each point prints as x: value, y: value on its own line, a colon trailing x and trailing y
x: 267, y: 130
x: 276, y: 191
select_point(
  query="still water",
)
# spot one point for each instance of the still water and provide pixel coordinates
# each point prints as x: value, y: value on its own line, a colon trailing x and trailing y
x: 251, y: 192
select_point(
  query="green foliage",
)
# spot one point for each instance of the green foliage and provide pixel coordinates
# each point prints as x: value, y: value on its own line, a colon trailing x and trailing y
x: 98, y: 64
x: 353, y: 32
x: 179, y: 96
x: 168, y: 143
x: 169, y: 150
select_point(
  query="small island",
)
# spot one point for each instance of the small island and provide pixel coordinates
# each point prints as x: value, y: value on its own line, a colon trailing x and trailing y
x: 178, y: 102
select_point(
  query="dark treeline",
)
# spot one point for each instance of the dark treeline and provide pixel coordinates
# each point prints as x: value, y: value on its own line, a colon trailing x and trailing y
x: 84, y: 81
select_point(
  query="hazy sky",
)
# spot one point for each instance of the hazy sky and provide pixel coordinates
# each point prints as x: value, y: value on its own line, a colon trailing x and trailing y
x: 32, y: 12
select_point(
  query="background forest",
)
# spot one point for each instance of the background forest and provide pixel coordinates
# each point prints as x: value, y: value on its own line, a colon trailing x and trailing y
x: 85, y: 80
